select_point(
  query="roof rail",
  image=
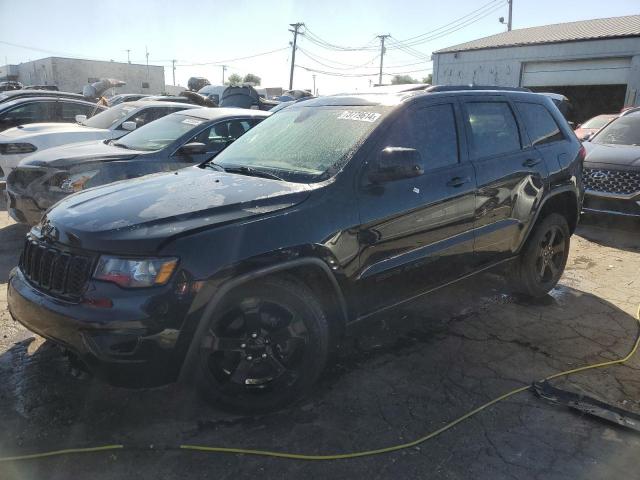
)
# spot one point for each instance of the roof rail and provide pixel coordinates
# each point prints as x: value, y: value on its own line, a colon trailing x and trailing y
x: 453, y: 88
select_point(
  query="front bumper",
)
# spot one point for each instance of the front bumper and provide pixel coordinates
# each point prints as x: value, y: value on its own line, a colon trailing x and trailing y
x: 127, y: 344
x: 611, y: 204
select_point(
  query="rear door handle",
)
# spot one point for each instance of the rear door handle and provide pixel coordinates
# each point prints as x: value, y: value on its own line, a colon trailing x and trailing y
x: 458, y: 181
x: 531, y: 162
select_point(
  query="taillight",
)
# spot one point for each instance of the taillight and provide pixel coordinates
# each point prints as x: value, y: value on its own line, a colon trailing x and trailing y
x: 582, y: 153
x: 14, y: 148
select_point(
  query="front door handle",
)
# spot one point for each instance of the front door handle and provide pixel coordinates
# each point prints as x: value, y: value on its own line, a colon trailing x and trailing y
x: 458, y: 181
x: 531, y: 162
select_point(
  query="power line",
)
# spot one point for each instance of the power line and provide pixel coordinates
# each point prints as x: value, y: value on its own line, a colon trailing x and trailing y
x: 344, y: 66
x: 231, y: 60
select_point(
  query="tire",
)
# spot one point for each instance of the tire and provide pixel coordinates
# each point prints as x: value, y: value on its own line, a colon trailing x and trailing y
x: 543, y: 258
x: 265, y: 347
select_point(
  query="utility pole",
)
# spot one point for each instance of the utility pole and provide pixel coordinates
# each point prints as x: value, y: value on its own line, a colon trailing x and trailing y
x: 510, y: 22
x: 173, y: 66
x: 128, y: 59
x: 295, y: 31
x: 382, y: 39
x: 224, y: 67
x: 147, y: 55
x: 314, y: 84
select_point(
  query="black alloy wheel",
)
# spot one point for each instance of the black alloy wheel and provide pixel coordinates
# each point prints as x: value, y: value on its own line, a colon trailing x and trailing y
x: 265, y: 347
x: 543, y: 258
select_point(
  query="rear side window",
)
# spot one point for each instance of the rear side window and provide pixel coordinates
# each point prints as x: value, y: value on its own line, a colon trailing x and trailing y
x: 494, y: 130
x: 431, y: 131
x: 541, y: 126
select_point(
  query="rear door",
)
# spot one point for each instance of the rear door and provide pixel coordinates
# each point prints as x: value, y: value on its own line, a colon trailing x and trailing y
x: 510, y: 175
x: 36, y: 111
x: 417, y: 233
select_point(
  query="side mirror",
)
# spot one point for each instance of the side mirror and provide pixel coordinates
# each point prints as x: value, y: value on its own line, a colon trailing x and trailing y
x: 80, y: 118
x: 130, y: 126
x: 193, y: 148
x: 396, y: 163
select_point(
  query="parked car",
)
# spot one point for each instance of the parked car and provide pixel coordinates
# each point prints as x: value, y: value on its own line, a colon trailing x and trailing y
x: 612, y: 168
x: 184, y: 97
x: 29, y: 111
x: 241, y: 274
x: 175, y: 141
x: 591, y: 126
x: 20, y: 142
x: 53, y: 88
x: 125, y: 97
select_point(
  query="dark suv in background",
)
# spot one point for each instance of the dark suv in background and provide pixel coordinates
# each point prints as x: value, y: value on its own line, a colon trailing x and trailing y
x: 241, y: 274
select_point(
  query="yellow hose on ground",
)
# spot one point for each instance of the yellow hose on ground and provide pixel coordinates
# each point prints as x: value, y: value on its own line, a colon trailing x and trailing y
x: 365, y: 453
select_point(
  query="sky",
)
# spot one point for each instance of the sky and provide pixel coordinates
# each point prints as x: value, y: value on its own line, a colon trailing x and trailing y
x: 212, y: 33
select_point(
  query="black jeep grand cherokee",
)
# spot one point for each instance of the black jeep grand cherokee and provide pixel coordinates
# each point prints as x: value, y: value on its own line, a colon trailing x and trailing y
x: 239, y: 275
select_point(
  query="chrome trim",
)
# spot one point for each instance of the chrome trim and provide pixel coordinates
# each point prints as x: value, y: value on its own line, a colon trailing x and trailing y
x: 611, y: 212
x: 618, y: 196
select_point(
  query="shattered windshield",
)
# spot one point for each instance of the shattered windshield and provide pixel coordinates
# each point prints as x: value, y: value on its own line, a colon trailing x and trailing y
x: 109, y: 117
x: 306, y: 143
x: 622, y: 131
x: 160, y: 133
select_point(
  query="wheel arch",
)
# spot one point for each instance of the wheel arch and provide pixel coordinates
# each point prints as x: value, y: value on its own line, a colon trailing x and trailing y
x: 313, y: 272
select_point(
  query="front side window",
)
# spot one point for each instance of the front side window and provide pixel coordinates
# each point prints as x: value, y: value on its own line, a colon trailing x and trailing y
x: 304, y: 144
x: 69, y: 110
x: 494, y: 130
x: 541, y: 126
x: 431, y: 131
x: 622, y: 131
x: 221, y: 134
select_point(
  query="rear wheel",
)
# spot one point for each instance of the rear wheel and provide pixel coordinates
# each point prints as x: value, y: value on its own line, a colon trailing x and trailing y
x: 264, y: 348
x: 542, y: 261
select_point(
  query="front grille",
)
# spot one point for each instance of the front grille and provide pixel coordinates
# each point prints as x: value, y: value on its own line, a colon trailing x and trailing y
x: 54, y: 271
x: 620, y: 182
x: 21, y: 178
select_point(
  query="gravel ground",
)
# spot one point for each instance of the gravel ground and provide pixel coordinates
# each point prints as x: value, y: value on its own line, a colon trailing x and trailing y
x: 401, y: 375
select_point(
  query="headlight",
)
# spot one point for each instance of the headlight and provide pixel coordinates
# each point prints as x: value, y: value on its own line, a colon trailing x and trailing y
x: 14, y: 148
x: 134, y: 273
x: 75, y: 182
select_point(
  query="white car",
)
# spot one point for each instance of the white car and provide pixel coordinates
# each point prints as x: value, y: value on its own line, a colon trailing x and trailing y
x: 20, y: 142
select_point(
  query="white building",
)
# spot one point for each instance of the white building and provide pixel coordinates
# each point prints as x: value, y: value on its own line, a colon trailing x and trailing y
x: 596, y: 63
x: 72, y: 74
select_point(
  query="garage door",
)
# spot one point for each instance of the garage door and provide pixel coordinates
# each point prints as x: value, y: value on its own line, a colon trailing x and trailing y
x: 609, y: 71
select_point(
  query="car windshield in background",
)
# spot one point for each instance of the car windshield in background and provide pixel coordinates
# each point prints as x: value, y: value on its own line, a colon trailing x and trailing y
x: 622, y: 131
x: 159, y: 133
x: 304, y: 144
x: 109, y: 117
x: 597, y: 122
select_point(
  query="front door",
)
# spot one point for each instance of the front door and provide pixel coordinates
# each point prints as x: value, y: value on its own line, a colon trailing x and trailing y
x: 417, y: 233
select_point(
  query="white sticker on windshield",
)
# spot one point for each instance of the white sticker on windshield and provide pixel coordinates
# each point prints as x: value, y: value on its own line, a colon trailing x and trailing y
x: 192, y: 121
x: 359, y: 116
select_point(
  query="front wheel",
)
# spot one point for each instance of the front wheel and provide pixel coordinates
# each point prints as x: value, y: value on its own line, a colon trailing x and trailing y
x: 264, y: 348
x: 542, y: 260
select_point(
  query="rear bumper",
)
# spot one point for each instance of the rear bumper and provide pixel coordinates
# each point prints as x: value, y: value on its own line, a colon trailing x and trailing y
x: 120, y: 344
x: 611, y: 204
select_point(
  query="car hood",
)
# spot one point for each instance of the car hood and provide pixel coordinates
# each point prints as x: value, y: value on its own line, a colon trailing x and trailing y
x: 35, y: 129
x: 141, y: 215
x: 70, y: 155
x: 621, y: 155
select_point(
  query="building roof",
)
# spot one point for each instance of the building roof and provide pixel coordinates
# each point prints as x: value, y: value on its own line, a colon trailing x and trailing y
x: 599, y: 28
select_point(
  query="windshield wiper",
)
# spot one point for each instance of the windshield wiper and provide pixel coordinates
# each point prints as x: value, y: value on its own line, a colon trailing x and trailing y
x: 121, y: 145
x: 252, y: 172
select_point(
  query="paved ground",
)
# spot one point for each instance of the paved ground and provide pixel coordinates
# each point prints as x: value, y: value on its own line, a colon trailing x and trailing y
x: 400, y: 376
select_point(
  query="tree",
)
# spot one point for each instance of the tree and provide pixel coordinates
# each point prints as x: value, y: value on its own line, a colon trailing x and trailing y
x: 428, y: 79
x: 402, y: 79
x: 234, y: 79
x: 253, y: 79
